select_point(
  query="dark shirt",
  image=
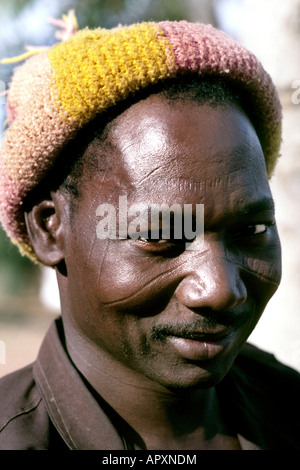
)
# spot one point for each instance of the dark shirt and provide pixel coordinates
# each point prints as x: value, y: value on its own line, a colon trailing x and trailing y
x: 49, y: 405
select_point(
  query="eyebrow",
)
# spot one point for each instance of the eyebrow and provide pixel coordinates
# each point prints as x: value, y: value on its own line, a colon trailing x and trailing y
x: 248, y: 208
x: 265, y: 204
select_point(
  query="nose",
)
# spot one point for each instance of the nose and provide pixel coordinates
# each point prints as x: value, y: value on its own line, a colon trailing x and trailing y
x: 213, y: 282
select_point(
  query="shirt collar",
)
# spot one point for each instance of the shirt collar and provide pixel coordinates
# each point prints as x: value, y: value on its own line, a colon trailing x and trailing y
x: 73, y: 409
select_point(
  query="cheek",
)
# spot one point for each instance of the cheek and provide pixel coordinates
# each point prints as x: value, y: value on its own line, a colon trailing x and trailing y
x: 129, y: 280
x: 264, y: 276
x: 260, y: 269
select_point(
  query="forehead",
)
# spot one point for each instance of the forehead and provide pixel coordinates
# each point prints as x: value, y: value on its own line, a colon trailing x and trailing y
x: 187, y: 150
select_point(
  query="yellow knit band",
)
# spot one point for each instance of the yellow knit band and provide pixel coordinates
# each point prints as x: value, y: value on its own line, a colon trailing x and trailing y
x: 98, y: 68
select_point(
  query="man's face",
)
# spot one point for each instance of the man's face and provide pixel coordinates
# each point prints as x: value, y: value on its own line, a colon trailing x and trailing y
x: 177, y: 316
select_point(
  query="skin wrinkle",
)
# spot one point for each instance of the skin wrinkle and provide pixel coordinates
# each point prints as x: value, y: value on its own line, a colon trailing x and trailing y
x: 200, y: 185
x: 245, y: 266
x: 263, y: 275
x: 95, y: 234
x: 166, y: 165
x: 254, y: 271
x: 102, y: 262
x: 94, y: 240
x: 152, y: 172
x: 149, y: 283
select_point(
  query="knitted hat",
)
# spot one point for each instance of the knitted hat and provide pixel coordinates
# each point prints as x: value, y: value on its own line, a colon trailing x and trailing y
x: 59, y: 90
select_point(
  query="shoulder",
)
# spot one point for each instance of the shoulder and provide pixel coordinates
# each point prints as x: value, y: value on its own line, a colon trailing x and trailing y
x: 263, y: 395
x: 24, y: 423
x: 261, y: 367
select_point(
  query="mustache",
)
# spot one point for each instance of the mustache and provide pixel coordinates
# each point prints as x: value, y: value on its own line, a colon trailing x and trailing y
x: 208, y: 322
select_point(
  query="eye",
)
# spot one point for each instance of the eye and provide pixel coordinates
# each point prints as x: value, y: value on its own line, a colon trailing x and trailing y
x: 159, y: 245
x: 257, y: 229
x: 156, y: 241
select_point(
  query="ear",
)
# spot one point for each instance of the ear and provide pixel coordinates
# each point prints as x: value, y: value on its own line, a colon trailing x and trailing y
x: 46, y: 232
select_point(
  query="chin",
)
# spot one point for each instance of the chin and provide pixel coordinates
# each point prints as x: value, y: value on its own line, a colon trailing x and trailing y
x: 194, y: 377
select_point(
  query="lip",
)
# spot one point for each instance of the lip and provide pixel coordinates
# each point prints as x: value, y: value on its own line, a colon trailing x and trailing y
x: 201, y: 346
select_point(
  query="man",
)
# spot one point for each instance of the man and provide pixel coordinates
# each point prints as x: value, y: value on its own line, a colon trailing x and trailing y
x: 149, y: 352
